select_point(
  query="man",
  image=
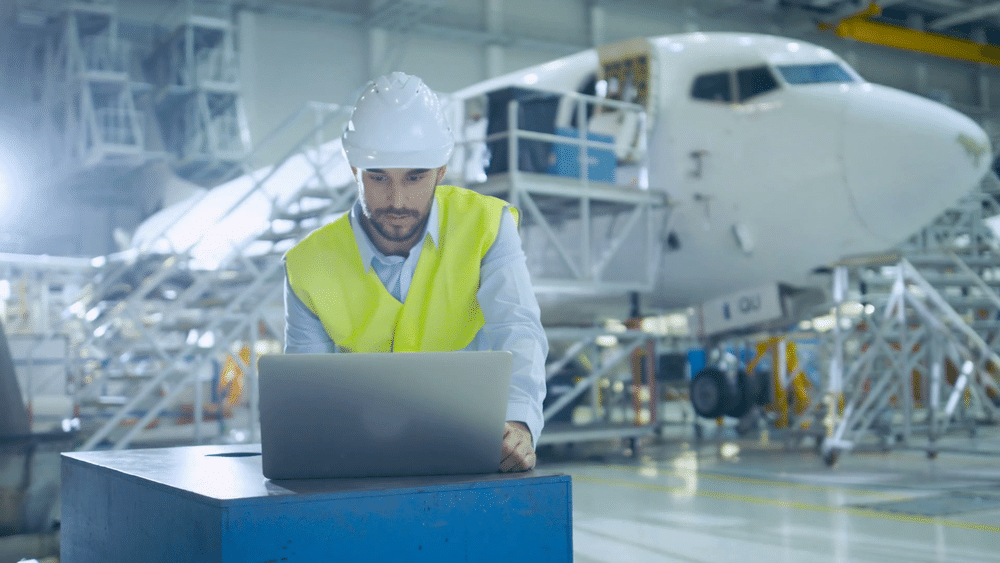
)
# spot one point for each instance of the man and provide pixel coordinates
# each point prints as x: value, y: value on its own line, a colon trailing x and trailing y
x: 419, y: 266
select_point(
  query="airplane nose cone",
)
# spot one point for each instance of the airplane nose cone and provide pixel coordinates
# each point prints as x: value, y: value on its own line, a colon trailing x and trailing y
x: 907, y: 159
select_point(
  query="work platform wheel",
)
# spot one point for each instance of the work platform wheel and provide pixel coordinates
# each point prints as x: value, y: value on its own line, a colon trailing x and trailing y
x: 831, y: 456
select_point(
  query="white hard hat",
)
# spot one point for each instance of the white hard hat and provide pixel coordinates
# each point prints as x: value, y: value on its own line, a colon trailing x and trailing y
x: 398, y: 123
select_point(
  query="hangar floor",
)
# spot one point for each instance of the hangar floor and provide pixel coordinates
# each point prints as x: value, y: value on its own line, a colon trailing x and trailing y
x: 726, y: 502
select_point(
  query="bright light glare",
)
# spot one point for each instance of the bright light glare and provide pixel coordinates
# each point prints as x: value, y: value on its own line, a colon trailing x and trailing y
x: 4, y: 290
x: 207, y: 340
x: 607, y: 340
x: 869, y: 309
x: 614, y: 325
x: 851, y: 308
x: 824, y: 323
x: 531, y: 78
x: 729, y: 450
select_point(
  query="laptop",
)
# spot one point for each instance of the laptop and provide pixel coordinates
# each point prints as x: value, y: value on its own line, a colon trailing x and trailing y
x: 382, y: 414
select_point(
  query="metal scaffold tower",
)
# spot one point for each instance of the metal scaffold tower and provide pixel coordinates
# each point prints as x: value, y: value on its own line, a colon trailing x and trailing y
x: 167, y: 90
x: 85, y: 85
x: 198, y: 101
x: 919, y: 359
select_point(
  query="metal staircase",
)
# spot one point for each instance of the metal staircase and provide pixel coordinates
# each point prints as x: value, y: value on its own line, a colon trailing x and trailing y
x: 157, y: 343
x: 922, y: 360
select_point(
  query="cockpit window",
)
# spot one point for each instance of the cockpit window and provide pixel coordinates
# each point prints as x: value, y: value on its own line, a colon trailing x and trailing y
x: 815, y: 73
x: 714, y: 87
x: 754, y: 82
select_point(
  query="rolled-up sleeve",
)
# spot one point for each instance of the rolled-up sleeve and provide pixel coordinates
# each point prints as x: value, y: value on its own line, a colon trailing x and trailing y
x: 513, y: 323
x: 304, y: 332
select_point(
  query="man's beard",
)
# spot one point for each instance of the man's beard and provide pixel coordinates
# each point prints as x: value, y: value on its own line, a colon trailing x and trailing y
x: 393, y: 233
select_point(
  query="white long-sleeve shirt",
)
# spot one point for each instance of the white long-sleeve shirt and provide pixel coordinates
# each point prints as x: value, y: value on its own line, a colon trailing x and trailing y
x: 505, y: 296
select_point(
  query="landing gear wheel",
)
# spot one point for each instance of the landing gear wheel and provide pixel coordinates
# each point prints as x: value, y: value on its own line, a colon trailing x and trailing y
x: 710, y: 394
x: 744, y: 397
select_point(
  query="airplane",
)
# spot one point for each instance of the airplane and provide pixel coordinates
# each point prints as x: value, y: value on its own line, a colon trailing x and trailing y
x: 776, y: 156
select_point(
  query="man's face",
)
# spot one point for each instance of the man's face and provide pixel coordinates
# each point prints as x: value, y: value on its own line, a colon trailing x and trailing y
x: 397, y: 201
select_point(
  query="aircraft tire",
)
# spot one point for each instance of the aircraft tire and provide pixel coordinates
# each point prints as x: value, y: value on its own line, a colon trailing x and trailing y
x: 743, y: 397
x: 710, y: 393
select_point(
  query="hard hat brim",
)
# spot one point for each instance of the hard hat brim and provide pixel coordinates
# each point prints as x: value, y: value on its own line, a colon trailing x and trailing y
x: 368, y: 159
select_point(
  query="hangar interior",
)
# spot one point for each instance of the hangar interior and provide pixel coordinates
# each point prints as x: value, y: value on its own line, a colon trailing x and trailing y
x: 856, y: 422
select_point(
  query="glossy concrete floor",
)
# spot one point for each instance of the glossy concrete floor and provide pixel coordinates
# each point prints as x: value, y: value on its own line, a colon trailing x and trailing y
x: 748, y: 501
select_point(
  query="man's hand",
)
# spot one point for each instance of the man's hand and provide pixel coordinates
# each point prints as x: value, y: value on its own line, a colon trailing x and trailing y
x: 518, y: 455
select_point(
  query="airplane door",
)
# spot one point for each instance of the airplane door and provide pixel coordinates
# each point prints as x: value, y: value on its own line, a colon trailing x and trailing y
x: 628, y: 69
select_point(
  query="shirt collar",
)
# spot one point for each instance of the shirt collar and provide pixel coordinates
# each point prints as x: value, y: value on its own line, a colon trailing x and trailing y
x: 367, y: 248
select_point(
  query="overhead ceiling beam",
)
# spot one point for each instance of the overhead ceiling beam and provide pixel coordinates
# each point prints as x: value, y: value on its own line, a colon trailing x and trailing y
x: 966, y: 16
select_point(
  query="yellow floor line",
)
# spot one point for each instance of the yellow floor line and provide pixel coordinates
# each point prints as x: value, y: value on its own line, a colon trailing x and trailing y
x: 865, y: 512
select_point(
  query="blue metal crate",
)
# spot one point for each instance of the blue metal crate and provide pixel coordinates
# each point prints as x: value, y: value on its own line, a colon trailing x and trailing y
x: 601, y: 162
x: 212, y: 503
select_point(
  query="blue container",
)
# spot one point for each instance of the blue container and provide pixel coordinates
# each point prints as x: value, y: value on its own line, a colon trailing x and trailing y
x: 566, y: 157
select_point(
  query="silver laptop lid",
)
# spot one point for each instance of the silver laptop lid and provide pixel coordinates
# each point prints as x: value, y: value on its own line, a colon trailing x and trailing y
x: 373, y: 415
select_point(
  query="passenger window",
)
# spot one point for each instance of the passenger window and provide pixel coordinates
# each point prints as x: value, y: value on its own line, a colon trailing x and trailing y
x: 713, y: 87
x: 754, y: 82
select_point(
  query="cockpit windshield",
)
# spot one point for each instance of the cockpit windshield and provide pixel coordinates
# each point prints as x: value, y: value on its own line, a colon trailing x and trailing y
x: 815, y: 73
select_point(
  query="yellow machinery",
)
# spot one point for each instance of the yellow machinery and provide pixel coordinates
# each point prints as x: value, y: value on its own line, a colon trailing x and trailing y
x: 861, y: 27
x: 790, y: 388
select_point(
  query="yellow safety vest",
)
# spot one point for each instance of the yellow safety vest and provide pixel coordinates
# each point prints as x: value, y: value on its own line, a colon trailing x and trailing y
x: 441, y: 312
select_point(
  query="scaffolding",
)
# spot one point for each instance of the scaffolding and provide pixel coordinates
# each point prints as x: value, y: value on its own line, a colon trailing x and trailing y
x: 919, y: 360
x: 198, y: 100
x: 86, y: 88
x: 105, y: 97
